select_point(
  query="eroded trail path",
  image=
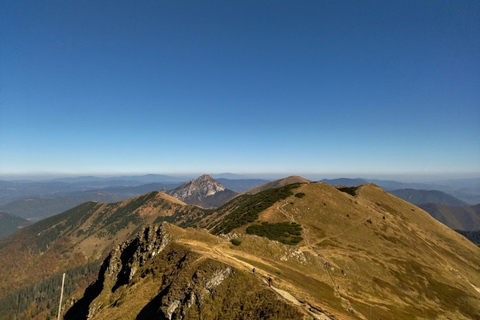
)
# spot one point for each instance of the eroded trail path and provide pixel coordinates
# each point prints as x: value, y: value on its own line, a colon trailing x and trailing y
x: 315, y: 313
x: 241, y: 261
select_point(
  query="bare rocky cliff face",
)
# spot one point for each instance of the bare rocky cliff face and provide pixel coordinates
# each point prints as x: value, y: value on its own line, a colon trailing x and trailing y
x: 154, y: 277
x: 203, y: 191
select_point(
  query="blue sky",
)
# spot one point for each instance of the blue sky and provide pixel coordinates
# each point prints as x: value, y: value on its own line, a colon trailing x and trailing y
x: 294, y: 87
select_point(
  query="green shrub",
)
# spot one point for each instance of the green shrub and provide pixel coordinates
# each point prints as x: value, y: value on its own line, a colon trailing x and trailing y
x: 236, y: 242
x: 284, y: 232
x: 350, y: 190
x: 300, y: 195
x: 250, y: 207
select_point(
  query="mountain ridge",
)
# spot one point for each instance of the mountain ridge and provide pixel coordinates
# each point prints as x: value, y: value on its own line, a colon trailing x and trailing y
x: 410, y: 265
x: 361, y: 233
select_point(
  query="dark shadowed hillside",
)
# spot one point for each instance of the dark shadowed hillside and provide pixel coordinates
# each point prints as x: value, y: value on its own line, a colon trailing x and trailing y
x: 10, y: 224
x: 418, y: 197
x: 473, y: 236
x: 460, y: 218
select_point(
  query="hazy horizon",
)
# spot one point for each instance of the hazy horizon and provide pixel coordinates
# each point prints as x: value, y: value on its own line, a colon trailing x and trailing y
x: 400, y: 177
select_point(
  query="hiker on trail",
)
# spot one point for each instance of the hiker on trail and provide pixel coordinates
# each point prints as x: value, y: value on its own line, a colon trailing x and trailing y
x: 253, y: 270
x: 270, y: 282
x: 325, y: 264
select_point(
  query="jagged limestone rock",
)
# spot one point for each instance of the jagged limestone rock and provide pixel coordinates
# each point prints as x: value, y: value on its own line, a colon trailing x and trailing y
x: 170, y: 281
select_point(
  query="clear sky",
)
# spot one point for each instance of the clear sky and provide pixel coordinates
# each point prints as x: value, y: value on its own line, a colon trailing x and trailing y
x: 163, y: 86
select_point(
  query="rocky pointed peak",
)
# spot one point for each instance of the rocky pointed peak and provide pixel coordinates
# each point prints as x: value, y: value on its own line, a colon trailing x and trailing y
x: 204, y: 186
x: 203, y: 191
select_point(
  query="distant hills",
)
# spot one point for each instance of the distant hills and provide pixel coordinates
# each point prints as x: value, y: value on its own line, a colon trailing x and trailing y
x: 240, y: 185
x: 38, y: 208
x: 428, y: 196
x: 458, y: 218
x: 330, y: 253
x: 13, y: 190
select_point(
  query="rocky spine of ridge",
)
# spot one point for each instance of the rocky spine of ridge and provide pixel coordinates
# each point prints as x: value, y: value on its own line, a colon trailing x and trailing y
x: 203, y: 191
x: 119, y: 269
x: 175, y: 283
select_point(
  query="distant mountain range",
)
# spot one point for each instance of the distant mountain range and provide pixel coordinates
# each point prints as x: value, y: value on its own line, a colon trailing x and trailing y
x: 11, y: 190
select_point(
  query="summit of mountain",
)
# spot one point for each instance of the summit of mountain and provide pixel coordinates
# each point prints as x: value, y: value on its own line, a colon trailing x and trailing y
x: 276, y: 184
x: 203, y: 191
